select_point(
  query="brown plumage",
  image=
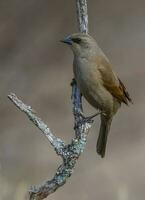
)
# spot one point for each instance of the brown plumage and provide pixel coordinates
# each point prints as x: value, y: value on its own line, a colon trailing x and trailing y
x: 118, y: 90
x: 97, y: 82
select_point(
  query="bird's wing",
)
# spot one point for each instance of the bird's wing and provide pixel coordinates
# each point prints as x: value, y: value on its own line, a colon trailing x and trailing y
x: 125, y: 91
x: 112, y: 83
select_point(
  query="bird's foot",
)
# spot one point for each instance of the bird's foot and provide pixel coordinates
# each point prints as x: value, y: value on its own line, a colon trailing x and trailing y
x: 88, y: 119
x: 73, y: 82
x: 85, y: 119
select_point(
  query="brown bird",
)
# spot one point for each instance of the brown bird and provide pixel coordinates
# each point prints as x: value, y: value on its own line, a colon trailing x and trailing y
x: 97, y: 82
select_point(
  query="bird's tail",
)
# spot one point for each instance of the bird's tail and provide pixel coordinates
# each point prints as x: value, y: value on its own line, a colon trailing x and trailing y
x: 103, y: 134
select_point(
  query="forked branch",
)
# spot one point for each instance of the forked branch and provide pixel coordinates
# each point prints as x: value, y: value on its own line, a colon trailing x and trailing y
x: 68, y: 152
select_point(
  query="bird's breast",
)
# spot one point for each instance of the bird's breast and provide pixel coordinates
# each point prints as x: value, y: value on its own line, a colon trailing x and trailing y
x: 89, y: 81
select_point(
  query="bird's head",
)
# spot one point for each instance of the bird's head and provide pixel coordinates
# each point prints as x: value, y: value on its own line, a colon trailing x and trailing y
x: 80, y: 43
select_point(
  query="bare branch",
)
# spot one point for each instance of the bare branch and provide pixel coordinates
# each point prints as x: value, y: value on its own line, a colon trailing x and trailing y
x: 70, y: 152
x: 55, y: 142
x: 82, y: 15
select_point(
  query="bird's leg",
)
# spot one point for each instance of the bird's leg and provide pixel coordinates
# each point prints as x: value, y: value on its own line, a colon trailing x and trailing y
x: 90, y: 118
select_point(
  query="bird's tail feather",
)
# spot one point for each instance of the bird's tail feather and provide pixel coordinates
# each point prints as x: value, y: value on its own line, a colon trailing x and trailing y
x: 103, y: 134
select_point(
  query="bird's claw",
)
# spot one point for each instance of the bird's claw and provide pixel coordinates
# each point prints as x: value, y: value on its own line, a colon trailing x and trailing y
x: 90, y: 118
x: 73, y: 82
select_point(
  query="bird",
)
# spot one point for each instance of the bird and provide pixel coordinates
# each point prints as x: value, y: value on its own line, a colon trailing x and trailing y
x: 97, y: 81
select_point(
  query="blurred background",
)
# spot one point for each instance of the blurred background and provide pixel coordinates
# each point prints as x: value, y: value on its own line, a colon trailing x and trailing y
x: 38, y: 68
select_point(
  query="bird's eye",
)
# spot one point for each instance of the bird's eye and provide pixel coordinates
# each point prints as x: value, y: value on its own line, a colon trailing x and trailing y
x: 76, y: 40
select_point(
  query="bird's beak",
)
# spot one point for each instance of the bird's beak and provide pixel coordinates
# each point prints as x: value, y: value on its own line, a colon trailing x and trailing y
x: 67, y: 40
